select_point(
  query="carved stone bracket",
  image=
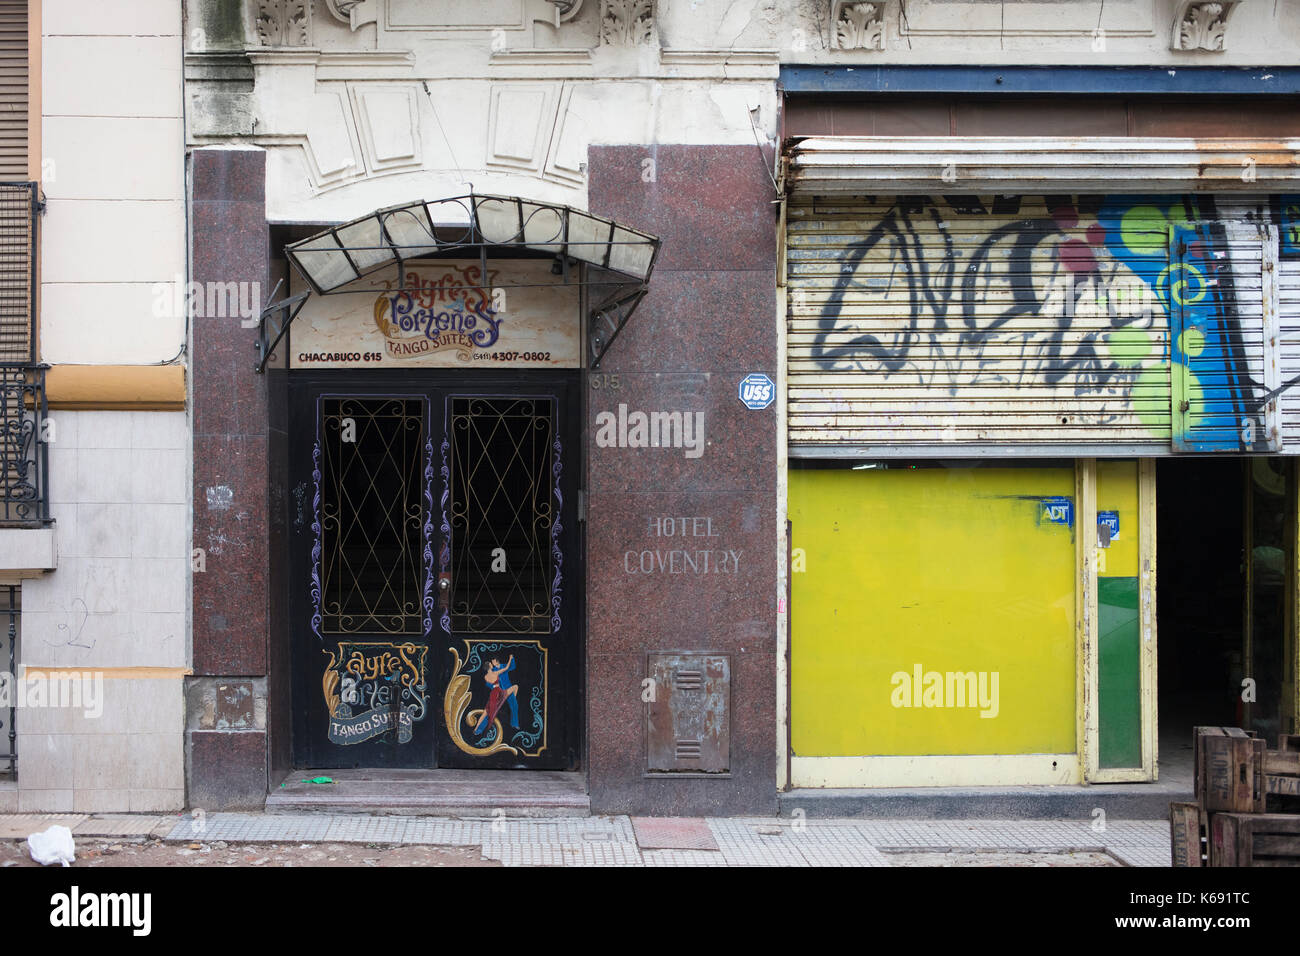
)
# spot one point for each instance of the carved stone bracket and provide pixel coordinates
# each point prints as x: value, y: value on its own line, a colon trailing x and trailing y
x: 355, y: 13
x: 858, y: 26
x: 281, y: 23
x: 1201, y: 26
x: 626, y: 22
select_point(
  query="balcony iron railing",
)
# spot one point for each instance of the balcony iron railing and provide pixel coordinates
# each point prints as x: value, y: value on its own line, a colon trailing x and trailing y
x: 24, y: 454
x: 9, y: 738
x: 24, y: 473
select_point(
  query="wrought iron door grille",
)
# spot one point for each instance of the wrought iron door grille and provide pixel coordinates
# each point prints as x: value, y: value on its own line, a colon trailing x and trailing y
x: 504, y: 464
x: 371, y: 515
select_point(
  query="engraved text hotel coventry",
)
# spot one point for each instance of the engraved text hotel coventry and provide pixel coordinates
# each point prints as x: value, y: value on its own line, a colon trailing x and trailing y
x: 699, y: 554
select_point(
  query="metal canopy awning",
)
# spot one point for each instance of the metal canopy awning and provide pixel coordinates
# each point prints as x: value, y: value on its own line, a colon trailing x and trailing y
x: 618, y: 260
x: 892, y: 165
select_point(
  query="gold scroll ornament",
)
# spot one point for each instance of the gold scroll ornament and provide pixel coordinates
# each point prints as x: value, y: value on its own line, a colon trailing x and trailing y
x: 454, y: 704
x: 330, y: 684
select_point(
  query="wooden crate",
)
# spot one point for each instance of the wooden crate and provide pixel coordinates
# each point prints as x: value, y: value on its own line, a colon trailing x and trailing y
x: 1255, y: 839
x: 1282, y: 771
x: 1282, y: 776
x: 1187, y: 834
x: 1229, y: 770
x: 1284, y: 785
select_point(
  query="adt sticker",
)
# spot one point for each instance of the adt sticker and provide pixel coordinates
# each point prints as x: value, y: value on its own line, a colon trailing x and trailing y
x: 1059, y: 511
x: 757, y: 390
x: 1107, y: 528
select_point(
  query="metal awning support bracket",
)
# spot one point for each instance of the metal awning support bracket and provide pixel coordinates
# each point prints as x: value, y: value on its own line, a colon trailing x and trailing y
x: 606, y: 321
x: 288, y: 309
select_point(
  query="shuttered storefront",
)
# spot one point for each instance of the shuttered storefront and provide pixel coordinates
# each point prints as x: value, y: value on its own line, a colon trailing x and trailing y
x: 13, y: 90
x: 1033, y: 324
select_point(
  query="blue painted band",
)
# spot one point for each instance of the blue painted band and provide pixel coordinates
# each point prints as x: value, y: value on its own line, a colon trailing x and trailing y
x: 1056, y: 80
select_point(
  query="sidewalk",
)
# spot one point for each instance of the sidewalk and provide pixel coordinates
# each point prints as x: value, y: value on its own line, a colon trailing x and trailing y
x: 640, y: 841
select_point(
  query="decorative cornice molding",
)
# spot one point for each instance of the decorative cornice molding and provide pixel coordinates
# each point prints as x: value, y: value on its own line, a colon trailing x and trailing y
x: 282, y: 23
x: 365, y: 64
x: 556, y: 56
x: 221, y: 66
x: 858, y: 26
x: 1201, y: 26
x: 626, y: 22
x: 300, y: 56
x: 728, y: 63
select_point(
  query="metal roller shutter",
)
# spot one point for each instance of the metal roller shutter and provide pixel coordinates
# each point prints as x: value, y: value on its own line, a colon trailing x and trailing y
x: 932, y: 321
x: 942, y: 325
x: 1288, y: 295
x: 1224, y: 320
x: 13, y: 90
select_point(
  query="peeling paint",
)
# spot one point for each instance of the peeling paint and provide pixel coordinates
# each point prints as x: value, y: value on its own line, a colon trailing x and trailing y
x: 220, y: 498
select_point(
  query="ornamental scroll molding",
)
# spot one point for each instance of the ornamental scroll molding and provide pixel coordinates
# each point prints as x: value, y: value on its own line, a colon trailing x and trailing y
x: 858, y: 26
x: 626, y: 22
x: 565, y: 10
x: 1201, y: 26
x: 281, y: 23
x: 355, y: 13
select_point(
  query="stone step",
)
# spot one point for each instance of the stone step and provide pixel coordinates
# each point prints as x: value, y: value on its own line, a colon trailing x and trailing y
x: 1133, y: 801
x: 465, y: 793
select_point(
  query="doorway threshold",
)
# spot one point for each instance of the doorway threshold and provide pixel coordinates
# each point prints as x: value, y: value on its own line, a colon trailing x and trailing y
x: 444, y: 793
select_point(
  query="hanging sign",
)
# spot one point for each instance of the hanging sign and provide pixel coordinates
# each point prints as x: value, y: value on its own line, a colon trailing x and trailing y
x: 443, y: 314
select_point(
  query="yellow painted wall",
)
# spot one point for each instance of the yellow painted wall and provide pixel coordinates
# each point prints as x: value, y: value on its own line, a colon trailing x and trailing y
x: 1117, y: 490
x: 953, y: 569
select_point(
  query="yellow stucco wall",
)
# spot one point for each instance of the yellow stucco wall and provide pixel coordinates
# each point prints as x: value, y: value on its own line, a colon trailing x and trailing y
x: 952, y: 570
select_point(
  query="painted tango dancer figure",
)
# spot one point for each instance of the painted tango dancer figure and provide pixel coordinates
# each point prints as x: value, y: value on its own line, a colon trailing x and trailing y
x: 503, y: 692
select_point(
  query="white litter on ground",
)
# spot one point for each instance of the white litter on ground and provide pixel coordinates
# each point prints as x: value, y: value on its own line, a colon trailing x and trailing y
x: 53, y: 846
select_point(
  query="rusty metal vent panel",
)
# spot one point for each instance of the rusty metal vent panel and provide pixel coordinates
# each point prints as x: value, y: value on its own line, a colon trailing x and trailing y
x: 688, y: 715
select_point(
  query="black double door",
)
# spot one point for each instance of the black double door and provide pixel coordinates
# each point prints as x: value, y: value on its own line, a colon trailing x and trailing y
x: 434, y: 569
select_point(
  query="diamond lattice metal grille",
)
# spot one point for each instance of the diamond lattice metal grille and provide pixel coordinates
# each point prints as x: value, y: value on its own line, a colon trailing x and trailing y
x: 371, y: 515
x: 502, y: 509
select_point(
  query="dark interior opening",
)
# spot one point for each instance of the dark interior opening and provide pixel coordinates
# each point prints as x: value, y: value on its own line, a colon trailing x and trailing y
x: 1212, y: 514
x: 1200, y: 592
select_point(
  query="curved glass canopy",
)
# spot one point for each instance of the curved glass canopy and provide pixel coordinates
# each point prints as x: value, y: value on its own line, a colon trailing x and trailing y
x: 616, y: 257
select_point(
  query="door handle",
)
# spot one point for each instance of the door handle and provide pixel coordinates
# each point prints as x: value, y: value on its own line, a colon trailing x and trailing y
x: 444, y: 590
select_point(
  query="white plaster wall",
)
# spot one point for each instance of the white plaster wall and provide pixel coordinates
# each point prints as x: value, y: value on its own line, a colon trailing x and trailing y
x: 975, y: 32
x: 607, y: 112
x: 512, y: 102
x: 112, y: 152
x: 120, y: 494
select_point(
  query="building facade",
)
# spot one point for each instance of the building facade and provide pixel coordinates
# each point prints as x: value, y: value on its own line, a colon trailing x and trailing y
x: 701, y: 401
x: 96, y: 449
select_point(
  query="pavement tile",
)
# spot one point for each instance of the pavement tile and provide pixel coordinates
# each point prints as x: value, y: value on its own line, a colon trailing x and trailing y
x: 673, y: 833
x: 683, y: 858
x: 627, y: 841
x: 19, y: 826
x: 121, y: 824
